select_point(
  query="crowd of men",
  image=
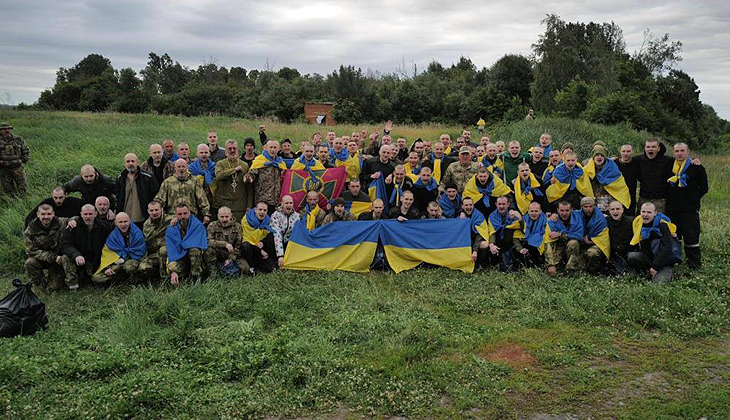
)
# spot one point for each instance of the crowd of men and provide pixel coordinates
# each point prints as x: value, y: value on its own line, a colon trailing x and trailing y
x: 177, y: 215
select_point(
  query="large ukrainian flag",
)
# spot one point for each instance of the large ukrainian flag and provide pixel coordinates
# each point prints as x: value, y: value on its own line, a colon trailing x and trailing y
x: 611, y: 179
x: 348, y: 246
x: 567, y: 180
x: 445, y: 243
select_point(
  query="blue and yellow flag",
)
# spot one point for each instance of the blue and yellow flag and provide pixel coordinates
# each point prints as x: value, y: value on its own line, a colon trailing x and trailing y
x: 548, y: 174
x: 479, y: 224
x: 545, y: 150
x: 204, y: 176
x: 348, y: 246
x: 449, y: 208
x: 377, y: 189
x: 354, y: 166
x: 436, y: 166
x: 310, y: 218
x: 253, y: 229
x: 537, y: 232
x: 195, y: 237
x: 641, y: 233
x: 264, y: 159
x: 308, y: 165
x: 575, y: 228
x: 524, y: 192
x: 679, y: 169
x: 495, y: 188
x: 597, y: 231
x: 115, y: 248
x: 444, y: 242
x: 611, y: 179
x: 496, y: 167
x: 567, y: 181
x: 357, y: 207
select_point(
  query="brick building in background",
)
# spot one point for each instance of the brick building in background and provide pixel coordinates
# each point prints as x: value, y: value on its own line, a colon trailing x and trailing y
x: 319, y: 113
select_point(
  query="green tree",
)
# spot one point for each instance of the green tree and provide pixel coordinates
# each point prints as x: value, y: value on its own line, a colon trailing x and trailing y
x: 512, y: 74
x: 572, y: 100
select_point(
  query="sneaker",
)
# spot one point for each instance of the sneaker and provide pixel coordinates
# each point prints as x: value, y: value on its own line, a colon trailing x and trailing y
x: 73, y: 288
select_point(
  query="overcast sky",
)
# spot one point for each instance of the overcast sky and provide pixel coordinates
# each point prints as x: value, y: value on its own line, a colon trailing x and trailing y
x: 38, y: 37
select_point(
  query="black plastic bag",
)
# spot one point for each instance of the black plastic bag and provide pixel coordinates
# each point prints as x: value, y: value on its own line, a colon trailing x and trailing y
x: 21, y: 312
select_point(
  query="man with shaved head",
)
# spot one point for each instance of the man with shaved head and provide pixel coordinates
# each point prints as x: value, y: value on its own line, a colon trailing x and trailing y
x: 81, y: 247
x: 265, y: 173
x: 135, y: 189
x: 103, y: 212
x: 216, y: 153
x: 91, y: 184
x: 203, y: 169
x: 224, y: 245
x: 154, y: 229
x: 183, y: 152
x: 169, y: 149
x: 127, y: 242
x: 158, y: 165
x: 283, y: 221
x: 184, y: 188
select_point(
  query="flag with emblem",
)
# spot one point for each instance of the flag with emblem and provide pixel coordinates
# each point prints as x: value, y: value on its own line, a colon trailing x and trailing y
x: 327, y: 182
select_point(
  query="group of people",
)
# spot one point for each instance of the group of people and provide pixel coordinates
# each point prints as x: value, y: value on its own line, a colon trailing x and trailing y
x: 176, y: 216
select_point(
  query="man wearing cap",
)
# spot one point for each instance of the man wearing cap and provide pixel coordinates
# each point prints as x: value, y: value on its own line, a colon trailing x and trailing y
x: 460, y: 173
x: 338, y: 214
x: 13, y: 155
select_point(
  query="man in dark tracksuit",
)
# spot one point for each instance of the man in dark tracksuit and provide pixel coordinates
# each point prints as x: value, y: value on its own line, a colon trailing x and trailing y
x: 654, y: 170
x: 683, y: 204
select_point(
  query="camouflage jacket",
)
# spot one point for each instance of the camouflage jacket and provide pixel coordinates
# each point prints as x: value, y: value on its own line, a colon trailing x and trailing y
x: 332, y: 217
x: 13, y: 152
x: 267, y: 184
x: 154, y: 233
x: 459, y: 175
x: 189, y: 191
x: 219, y: 236
x: 44, y: 242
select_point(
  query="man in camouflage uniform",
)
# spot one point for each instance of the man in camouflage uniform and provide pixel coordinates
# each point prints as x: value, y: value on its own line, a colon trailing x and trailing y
x: 184, y: 188
x: 267, y: 180
x: 224, y: 242
x: 459, y: 173
x: 42, y: 240
x: 230, y: 189
x: 193, y: 262
x: 13, y: 154
x: 155, y: 262
x: 563, y: 248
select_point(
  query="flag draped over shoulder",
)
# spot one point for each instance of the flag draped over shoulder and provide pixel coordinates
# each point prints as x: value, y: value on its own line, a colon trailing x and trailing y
x: 524, y: 192
x: 348, y: 246
x: 450, y: 209
x: 567, y: 180
x: 445, y: 243
x: 596, y: 228
x: 376, y: 190
x: 495, y: 188
x: 496, y: 167
x: 612, y: 180
x: 327, y: 182
x: 302, y: 163
x: 548, y: 174
x: 115, y: 248
x: 436, y: 166
x: 357, y: 207
x: 641, y: 232
x: 537, y: 232
x: 264, y: 159
x: 195, y: 237
x: 574, y: 231
x: 479, y: 224
x: 679, y: 169
x: 253, y: 229
x: 498, y: 226
x: 204, y: 176
x: 310, y: 215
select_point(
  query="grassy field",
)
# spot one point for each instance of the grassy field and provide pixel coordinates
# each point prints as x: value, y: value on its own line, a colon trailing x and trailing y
x: 422, y: 344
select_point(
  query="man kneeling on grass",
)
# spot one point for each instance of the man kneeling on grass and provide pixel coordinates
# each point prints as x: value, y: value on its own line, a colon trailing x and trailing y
x: 224, y: 240
x: 81, y: 246
x: 185, y: 240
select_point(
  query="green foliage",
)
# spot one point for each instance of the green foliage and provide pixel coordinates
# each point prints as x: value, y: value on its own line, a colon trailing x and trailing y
x: 571, y: 101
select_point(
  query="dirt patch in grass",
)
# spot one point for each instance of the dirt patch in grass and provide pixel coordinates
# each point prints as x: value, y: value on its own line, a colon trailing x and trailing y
x: 510, y: 353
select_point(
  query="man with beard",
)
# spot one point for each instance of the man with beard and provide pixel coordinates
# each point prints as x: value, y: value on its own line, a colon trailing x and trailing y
x: 185, y: 241
x: 170, y: 154
x: 135, y: 189
x: 92, y: 184
x: 566, y: 232
x: 230, y: 185
x: 354, y: 192
x: 158, y: 165
x: 338, y: 214
x: 154, y: 262
x: 42, y: 240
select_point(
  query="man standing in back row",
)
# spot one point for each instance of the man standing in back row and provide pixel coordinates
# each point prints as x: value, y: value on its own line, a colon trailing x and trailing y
x: 13, y: 155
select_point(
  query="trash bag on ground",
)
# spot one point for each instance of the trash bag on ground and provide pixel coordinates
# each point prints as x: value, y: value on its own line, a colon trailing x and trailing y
x: 21, y: 312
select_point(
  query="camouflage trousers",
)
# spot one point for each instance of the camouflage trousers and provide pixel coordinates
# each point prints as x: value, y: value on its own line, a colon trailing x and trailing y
x: 74, y: 273
x: 34, y: 270
x: 191, y: 264
x: 659, y: 203
x: 124, y: 271
x: 13, y: 180
x: 215, y: 255
x: 567, y: 250
x: 154, y: 264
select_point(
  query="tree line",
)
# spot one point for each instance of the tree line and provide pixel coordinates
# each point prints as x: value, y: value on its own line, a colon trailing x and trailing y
x: 576, y: 70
